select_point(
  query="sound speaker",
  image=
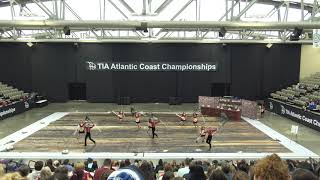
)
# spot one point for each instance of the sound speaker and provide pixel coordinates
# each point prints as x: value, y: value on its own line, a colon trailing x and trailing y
x: 124, y: 101
x: 174, y: 100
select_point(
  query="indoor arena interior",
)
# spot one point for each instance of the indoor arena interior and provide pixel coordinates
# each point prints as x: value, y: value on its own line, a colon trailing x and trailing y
x: 159, y: 90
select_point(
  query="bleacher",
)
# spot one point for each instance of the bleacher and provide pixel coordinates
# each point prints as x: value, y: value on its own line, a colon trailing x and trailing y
x: 303, y: 93
x: 9, y: 94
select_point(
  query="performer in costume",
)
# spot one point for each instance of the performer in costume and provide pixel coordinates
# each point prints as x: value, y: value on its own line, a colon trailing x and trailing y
x: 87, y: 128
x: 80, y: 128
x: 210, y: 132
x: 202, y: 135
x: 120, y: 115
x: 137, y: 115
x: 152, y: 123
x: 195, y: 119
x: 183, y: 117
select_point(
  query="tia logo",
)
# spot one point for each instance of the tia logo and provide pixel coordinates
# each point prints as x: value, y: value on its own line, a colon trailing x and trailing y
x: 91, y: 66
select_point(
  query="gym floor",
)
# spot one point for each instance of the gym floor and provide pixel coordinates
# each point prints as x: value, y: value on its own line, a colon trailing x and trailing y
x: 307, y: 137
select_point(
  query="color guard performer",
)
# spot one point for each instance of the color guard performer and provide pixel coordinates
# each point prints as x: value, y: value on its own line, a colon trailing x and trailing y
x: 195, y: 119
x: 137, y: 116
x: 87, y: 128
x: 119, y: 114
x: 183, y: 117
x: 80, y: 128
x: 153, y: 121
x: 202, y: 135
x: 210, y: 131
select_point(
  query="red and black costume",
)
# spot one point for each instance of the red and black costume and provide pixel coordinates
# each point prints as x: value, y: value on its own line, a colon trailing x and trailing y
x: 81, y: 127
x: 152, y: 124
x: 87, y: 129
x: 183, y: 117
x: 195, y: 118
x: 120, y: 115
x: 210, y: 132
x: 137, y: 116
x: 202, y: 132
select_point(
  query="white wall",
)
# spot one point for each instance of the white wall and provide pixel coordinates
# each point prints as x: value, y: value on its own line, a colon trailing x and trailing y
x: 310, y: 61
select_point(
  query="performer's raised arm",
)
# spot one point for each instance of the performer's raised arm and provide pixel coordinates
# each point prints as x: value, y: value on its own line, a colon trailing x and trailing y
x: 182, y: 117
x: 120, y: 114
x: 195, y: 119
x: 88, y: 126
x: 210, y: 131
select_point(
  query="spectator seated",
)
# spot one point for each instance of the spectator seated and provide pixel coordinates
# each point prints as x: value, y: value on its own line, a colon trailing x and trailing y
x: 9, y: 94
x: 270, y: 167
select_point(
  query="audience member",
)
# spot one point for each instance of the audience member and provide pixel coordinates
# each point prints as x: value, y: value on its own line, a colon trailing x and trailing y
x: 205, y: 165
x: 12, y: 176
x: 303, y: 174
x: 106, y: 167
x: 59, y: 176
x: 67, y: 165
x: 217, y: 175
x: 210, y: 170
x: 168, y: 175
x: 167, y: 168
x: 49, y: 163
x: 115, y: 165
x: 147, y: 171
x: 196, y: 173
x: 106, y: 174
x: 36, y: 172
x: 175, y: 166
x: 45, y: 173
x: 122, y: 164
x: 61, y: 170
x: 24, y: 170
x: 240, y: 175
x: 271, y: 168
x: 185, y: 169
x: 91, y: 165
x: 159, y: 166
x: 56, y: 164
x: 243, y: 166
x: 80, y: 173
x: 127, y: 162
x: 227, y: 171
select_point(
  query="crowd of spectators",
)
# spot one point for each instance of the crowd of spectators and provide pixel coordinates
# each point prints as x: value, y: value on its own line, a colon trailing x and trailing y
x: 271, y: 167
x: 4, y: 101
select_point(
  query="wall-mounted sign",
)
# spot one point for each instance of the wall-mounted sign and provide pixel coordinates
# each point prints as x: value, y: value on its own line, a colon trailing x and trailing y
x: 151, y: 66
x: 316, y: 38
x: 307, y: 118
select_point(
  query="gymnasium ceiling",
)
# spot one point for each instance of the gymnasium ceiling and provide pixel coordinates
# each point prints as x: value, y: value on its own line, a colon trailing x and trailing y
x: 158, y: 20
